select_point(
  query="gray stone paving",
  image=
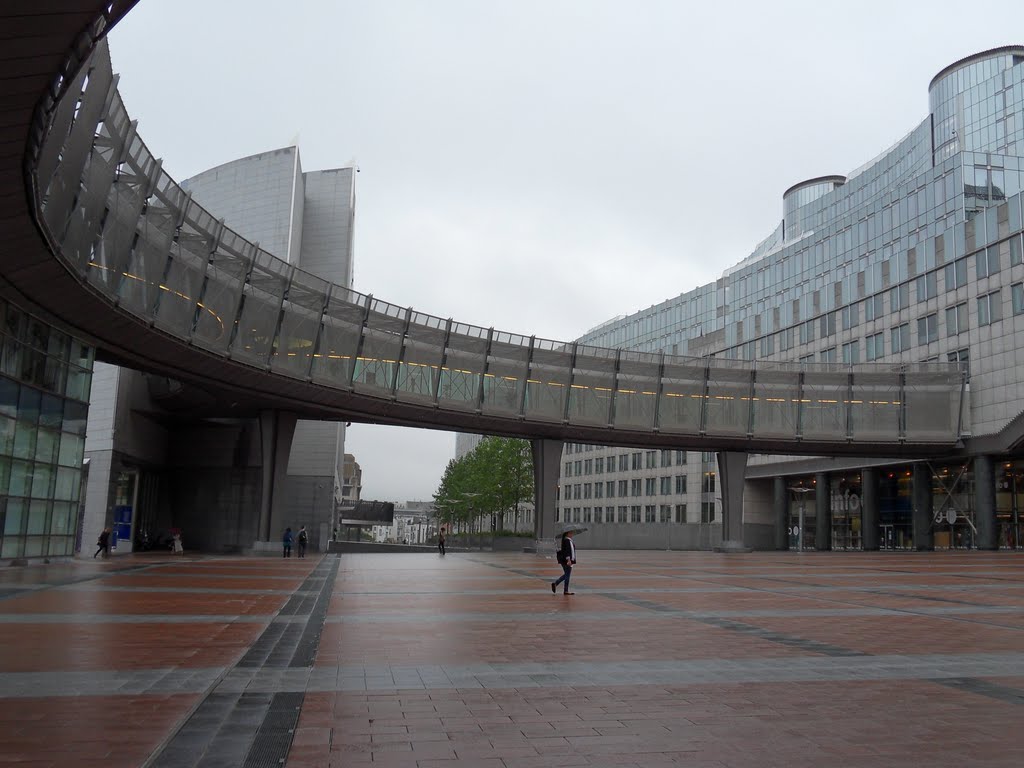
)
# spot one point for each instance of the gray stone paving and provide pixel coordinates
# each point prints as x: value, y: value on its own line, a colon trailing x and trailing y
x: 673, y: 613
x: 554, y: 674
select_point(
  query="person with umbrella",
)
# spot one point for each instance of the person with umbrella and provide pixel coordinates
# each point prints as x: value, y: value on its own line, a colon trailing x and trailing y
x: 566, y: 557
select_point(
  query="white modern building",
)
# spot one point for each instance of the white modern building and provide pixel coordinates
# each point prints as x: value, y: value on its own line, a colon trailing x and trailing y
x: 161, y: 453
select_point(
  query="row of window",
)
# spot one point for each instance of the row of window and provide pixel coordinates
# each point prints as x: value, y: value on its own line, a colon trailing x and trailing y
x: 987, y: 264
x: 988, y: 309
x: 625, y: 462
x: 649, y: 486
x: 650, y: 513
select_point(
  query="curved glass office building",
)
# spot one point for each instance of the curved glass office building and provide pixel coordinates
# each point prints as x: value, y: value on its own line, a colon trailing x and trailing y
x: 915, y: 256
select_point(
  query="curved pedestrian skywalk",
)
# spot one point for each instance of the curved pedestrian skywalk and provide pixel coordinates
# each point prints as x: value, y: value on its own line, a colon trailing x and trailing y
x: 131, y: 236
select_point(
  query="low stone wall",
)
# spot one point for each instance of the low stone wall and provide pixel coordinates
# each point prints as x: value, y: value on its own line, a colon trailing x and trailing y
x: 669, y: 536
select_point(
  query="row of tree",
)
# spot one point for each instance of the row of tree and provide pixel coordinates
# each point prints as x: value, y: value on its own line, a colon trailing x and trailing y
x: 488, y: 483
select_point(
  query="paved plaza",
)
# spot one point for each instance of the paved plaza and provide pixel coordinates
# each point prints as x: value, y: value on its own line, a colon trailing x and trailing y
x: 661, y: 658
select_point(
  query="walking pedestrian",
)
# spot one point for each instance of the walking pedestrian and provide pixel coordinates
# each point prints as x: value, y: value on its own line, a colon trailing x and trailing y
x: 566, y: 557
x: 303, y: 540
x: 287, y: 541
x: 440, y: 540
x: 176, y: 545
x: 103, y: 544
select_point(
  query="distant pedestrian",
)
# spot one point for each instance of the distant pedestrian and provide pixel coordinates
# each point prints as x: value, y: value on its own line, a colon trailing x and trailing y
x: 176, y: 545
x: 566, y: 557
x: 103, y: 544
x: 287, y: 541
x: 303, y: 541
x: 440, y: 540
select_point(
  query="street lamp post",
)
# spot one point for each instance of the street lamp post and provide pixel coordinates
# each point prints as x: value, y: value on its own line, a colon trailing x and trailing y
x: 469, y: 496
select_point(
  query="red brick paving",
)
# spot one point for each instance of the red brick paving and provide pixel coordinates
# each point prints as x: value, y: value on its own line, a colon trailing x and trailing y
x: 406, y: 609
x: 846, y: 724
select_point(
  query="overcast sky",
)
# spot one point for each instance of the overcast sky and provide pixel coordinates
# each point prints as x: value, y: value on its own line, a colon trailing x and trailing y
x: 535, y: 165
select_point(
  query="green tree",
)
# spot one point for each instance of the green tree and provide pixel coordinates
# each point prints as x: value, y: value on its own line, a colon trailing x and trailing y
x: 491, y: 480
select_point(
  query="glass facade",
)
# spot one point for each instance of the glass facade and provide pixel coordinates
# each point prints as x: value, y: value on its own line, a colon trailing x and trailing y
x: 902, y: 261
x: 45, y: 377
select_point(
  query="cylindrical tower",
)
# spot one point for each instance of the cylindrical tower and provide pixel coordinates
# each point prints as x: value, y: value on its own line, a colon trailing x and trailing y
x: 972, y: 118
x: 799, y: 195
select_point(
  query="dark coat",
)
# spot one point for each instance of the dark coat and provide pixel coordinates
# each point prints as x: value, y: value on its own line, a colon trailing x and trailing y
x: 565, y: 552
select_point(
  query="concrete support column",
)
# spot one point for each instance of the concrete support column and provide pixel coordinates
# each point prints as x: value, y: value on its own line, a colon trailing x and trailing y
x: 547, y: 458
x: 780, y: 507
x: 921, y: 496
x: 869, y: 515
x: 276, y: 431
x: 823, y: 512
x: 985, y: 502
x: 732, y: 470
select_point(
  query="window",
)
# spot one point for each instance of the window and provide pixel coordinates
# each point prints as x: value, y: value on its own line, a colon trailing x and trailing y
x: 576, y: 493
x: 634, y: 513
x: 650, y: 486
x: 828, y: 324
x: 962, y: 356
x: 635, y: 487
x: 828, y: 355
x: 806, y: 358
x: 707, y: 512
x: 874, y: 346
x: 588, y: 467
x: 956, y: 319
x: 609, y: 489
x: 680, y: 484
x: 651, y: 460
x: 568, y: 469
x: 987, y: 262
x: 599, y: 466
x: 899, y: 297
x: 1017, y: 294
x: 900, y: 338
x: 587, y: 518
x: 598, y: 490
x: 928, y: 328
x: 874, y: 308
x: 650, y: 513
x: 666, y: 513
x: 926, y: 287
x: 637, y: 460
x: 851, y: 316
x: 989, y: 308
x: 623, y: 488
x: 708, y: 485
x: 666, y: 458
x: 1015, y: 251
x: 598, y: 517
x: 577, y: 467
x: 680, y: 513
x: 666, y: 486
x: 851, y: 352
x: 956, y: 274
x: 587, y: 490
x: 623, y: 462
x: 680, y: 458
x: 807, y: 332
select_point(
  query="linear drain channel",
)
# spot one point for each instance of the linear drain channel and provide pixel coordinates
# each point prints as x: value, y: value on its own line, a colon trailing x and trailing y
x: 255, y: 729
